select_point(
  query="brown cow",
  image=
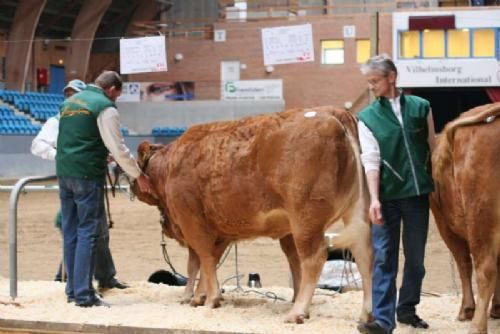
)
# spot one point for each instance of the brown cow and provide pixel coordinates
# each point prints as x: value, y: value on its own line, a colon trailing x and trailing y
x: 466, y: 206
x: 287, y: 176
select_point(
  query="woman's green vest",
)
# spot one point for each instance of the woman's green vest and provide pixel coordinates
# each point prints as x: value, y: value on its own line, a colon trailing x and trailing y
x: 405, y: 169
x: 80, y: 150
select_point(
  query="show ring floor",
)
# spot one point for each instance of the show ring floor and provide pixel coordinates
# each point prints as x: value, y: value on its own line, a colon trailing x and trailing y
x: 150, y: 308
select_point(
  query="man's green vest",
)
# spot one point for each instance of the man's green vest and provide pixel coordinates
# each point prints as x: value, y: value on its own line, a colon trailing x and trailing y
x: 80, y: 150
x: 405, y: 169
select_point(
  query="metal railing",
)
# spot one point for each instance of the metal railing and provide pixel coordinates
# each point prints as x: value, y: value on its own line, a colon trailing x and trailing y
x: 14, y: 197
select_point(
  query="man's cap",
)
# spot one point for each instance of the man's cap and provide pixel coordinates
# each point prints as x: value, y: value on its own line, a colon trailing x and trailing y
x: 77, y: 85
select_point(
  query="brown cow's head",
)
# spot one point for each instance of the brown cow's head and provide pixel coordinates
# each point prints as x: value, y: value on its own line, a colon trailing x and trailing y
x: 145, y: 152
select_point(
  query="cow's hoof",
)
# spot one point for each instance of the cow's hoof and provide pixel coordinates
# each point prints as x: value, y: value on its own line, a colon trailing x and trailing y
x: 214, y: 304
x: 474, y: 330
x: 186, y: 300
x: 466, y: 314
x: 296, y: 318
x: 198, y: 300
x: 495, y: 311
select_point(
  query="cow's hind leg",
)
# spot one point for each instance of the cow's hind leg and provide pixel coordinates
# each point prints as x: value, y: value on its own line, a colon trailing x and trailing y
x: 309, y: 240
x: 485, y: 261
x: 288, y: 247
x: 461, y: 253
x: 361, y: 249
x: 495, y: 303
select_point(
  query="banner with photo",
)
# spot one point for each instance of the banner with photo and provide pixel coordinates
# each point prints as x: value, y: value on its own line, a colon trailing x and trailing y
x: 131, y: 92
x: 167, y: 91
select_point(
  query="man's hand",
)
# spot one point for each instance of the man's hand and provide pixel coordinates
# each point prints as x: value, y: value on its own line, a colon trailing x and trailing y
x: 376, y: 212
x: 144, y: 184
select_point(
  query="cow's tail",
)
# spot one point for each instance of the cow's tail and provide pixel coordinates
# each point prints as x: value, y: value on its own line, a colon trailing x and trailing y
x: 358, y: 224
x: 443, y: 153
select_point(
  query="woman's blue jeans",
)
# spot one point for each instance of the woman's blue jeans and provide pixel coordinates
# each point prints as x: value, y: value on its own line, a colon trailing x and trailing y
x: 82, y: 206
x: 414, y: 214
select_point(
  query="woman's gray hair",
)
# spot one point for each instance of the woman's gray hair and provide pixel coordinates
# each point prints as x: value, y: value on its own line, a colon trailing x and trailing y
x: 381, y: 63
x: 108, y: 79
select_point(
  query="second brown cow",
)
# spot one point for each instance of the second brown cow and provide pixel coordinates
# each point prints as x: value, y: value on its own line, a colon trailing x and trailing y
x: 288, y: 176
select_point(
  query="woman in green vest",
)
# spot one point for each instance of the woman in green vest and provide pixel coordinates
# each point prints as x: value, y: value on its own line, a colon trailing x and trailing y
x: 396, y: 133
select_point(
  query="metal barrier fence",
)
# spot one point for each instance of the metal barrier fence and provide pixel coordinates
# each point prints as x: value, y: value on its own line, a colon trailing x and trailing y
x: 14, y: 197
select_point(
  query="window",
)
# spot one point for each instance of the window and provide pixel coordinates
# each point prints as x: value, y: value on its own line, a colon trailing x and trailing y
x: 458, y: 43
x: 483, y: 42
x: 362, y: 50
x: 433, y: 43
x: 410, y: 44
x: 332, y: 52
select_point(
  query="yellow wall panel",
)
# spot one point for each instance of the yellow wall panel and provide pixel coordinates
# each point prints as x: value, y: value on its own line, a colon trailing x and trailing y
x: 433, y: 44
x: 362, y: 50
x: 458, y: 43
x: 484, y: 43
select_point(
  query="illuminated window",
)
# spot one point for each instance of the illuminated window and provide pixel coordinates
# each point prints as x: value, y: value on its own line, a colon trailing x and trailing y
x: 433, y: 43
x: 410, y: 44
x: 484, y: 42
x: 332, y: 52
x: 458, y: 43
x: 362, y: 50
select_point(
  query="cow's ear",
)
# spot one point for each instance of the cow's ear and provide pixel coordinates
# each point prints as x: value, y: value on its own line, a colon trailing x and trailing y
x: 143, y: 153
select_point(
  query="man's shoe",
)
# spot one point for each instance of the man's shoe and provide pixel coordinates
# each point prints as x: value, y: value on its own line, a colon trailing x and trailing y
x: 372, y: 328
x: 95, y: 302
x: 413, y: 320
x: 114, y: 284
x: 70, y: 300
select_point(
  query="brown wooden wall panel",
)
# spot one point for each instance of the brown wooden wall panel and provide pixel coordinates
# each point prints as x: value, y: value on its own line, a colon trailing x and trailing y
x: 82, y: 37
x: 20, y: 42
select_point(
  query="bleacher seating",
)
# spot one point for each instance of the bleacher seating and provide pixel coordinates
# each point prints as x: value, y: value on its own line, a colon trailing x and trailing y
x: 10, y: 123
x: 173, y: 131
x: 40, y: 106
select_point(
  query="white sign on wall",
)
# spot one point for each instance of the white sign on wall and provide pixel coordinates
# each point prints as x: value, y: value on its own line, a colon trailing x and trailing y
x: 145, y: 54
x: 449, y: 73
x: 219, y: 35
x: 285, y: 45
x: 349, y: 31
x: 252, y: 90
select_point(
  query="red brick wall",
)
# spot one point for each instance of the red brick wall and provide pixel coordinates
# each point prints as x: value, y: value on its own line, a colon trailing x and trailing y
x: 305, y: 85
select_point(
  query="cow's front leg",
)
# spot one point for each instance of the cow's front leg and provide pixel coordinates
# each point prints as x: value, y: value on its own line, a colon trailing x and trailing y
x: 193, y: 268
x: 208, y: 268
x: 200, y: 295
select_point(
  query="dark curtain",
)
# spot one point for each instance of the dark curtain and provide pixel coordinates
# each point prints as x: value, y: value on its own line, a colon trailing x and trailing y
x: 493, y: 93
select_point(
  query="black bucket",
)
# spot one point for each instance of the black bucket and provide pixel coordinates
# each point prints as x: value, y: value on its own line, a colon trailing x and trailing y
x: 166, y: 277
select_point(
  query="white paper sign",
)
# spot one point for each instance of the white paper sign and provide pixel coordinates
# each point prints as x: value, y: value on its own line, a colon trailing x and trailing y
x: 145, y: 54
x: 252, y: 90
x: 285, y: 45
